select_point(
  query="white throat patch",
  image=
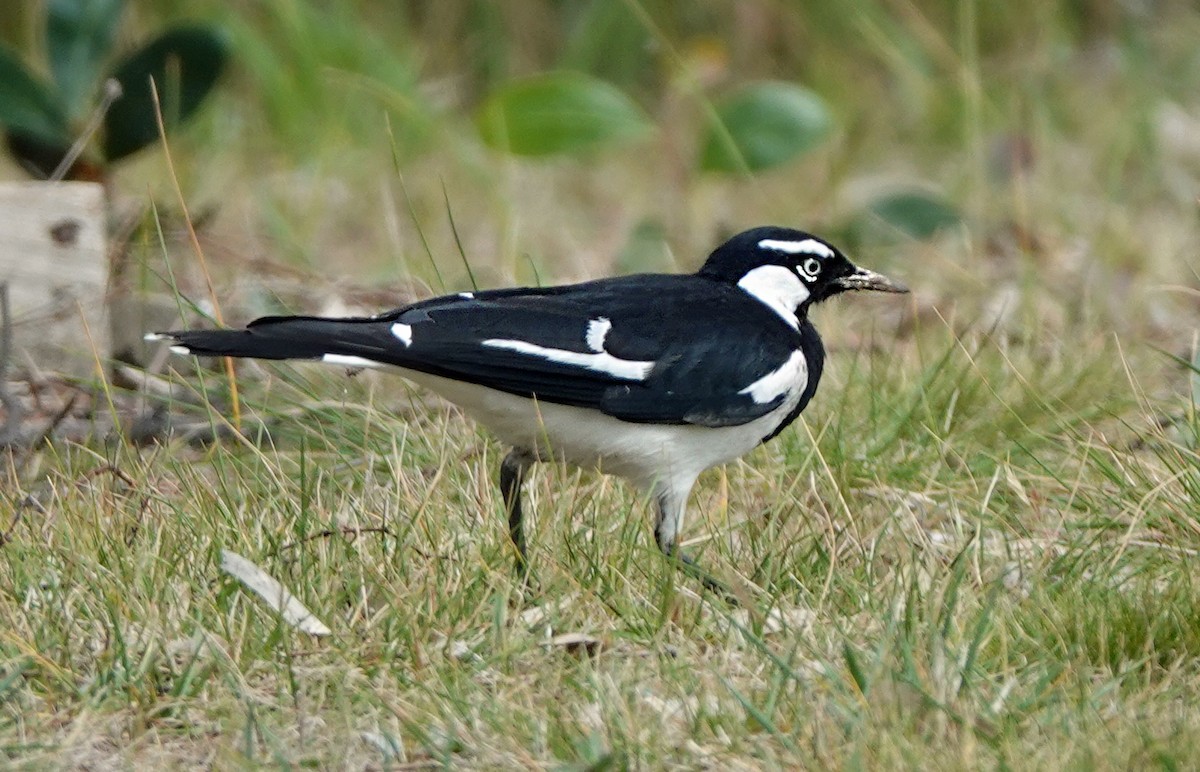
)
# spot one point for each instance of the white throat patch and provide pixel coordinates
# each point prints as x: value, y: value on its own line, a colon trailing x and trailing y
x: 778, y: 288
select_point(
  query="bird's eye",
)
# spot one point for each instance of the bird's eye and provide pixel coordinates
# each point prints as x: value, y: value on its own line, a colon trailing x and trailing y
x: 810, y: 268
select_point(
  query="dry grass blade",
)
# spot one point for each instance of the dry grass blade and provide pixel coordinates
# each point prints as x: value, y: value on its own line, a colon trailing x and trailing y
x: 273, y: 593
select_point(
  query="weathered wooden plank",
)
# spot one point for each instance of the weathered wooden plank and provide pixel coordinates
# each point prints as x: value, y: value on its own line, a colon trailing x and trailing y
x: 53, y: 254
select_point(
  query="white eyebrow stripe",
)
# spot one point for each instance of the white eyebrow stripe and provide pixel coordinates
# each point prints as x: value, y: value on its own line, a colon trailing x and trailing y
x: 791, y: 375
x: 349, y: 361
x: 403, y: 332
x: 601, y: 362
x: 805, y: 247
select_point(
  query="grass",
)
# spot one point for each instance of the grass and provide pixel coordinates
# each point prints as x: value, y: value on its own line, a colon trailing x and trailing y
x: 959, y: 570
x: 973, y: 550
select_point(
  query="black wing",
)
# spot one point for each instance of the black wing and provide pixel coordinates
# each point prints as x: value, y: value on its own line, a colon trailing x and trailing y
x: 705, y: 385
x: 660, y: 349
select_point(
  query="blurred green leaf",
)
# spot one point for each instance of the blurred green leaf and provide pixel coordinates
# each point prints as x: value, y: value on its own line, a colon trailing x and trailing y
x: 559, y: 113
x: 37, y: 156
x: 915, y: 213
x: 27, y: 105
x: 79, y: 38
x: 328, y: 59
x: 184, y: 63
x: 607, y: 39
x: 764, y: 125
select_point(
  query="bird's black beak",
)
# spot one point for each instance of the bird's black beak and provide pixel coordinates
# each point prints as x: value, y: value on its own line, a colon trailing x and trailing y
x: 862, y: 279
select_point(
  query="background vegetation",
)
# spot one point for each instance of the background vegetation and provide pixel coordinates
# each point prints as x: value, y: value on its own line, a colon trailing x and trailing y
x: 975, y: 549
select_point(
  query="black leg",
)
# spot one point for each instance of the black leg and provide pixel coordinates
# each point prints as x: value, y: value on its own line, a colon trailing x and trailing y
x: 512, y: 474
x: 666, y: 529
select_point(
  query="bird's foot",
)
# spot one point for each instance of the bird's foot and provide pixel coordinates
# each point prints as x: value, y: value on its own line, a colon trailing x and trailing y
x: 688, y: 565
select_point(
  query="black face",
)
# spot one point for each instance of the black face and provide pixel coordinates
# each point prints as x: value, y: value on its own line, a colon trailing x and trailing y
x: 769, y: 260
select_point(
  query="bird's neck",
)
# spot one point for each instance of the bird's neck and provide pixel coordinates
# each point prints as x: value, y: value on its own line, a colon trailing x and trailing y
x: 779, y: 289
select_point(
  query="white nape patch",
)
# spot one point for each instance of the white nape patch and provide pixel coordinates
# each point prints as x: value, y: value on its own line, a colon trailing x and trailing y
x: 181, y: 350
x: 403, y: 332
x: 467, y: 295
x: 791, y: 376
x: 349, y: 361
x: 777, y: 287
x: 805, y: 247
x: 601, y: 361
x: 597, y: 331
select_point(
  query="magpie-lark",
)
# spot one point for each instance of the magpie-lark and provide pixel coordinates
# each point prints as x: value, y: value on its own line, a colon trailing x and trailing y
x: 652, y: 377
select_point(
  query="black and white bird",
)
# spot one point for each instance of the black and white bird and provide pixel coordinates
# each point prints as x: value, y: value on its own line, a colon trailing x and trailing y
x: 653, y: 377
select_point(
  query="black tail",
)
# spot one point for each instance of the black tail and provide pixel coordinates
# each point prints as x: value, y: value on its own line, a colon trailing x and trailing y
x: 286, y: 337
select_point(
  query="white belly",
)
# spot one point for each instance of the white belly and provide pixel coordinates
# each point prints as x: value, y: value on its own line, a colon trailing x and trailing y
x: 641, y: 453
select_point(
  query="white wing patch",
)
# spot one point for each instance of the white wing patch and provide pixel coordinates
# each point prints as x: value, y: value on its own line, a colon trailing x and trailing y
x: 599, y: 360
x: 778, y: 288
x: 403, y: 332
x: 804, y: 247
x: 597, y: 331
x: 792, y: 375
x: 467, y: 295
x: 349, y: 361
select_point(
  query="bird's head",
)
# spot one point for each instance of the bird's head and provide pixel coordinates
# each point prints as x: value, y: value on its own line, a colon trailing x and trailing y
x: 789, y: 270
